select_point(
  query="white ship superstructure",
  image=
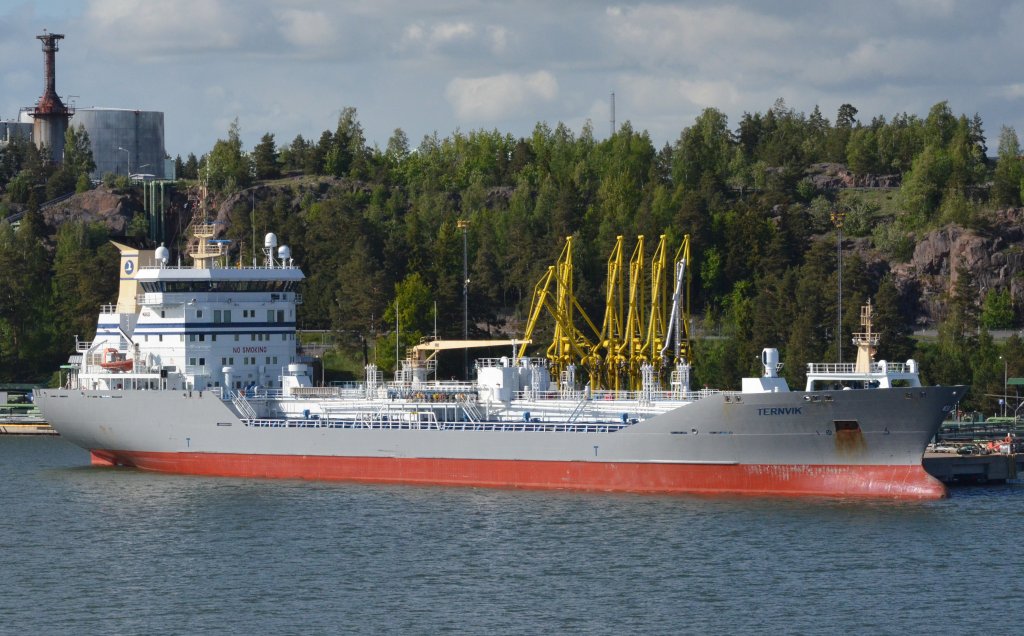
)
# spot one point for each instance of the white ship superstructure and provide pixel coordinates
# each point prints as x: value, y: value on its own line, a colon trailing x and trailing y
x: 196, y: 328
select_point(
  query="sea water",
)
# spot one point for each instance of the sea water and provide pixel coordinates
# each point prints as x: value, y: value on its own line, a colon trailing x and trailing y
x: 90, y: 550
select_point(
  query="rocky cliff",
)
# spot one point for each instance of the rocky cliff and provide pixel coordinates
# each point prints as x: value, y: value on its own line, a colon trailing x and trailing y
x: 994, y: 257
x: 113, y: 208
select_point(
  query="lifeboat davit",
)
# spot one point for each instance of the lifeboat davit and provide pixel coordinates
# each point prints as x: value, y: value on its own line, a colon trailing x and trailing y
x: 115, y: 361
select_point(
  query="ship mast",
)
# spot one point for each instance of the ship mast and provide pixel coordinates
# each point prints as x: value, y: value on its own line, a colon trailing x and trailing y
x: 203, y: 249
x: 866, y: 341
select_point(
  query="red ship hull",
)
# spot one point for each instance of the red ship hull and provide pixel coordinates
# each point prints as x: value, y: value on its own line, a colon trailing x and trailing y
x: 871, y: 481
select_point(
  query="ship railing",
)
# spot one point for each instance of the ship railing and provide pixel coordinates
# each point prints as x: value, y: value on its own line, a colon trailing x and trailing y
x: 426, y: 423
x: 353, y: 391
x: 277, y: 265
x: 82, y: 346
x: 620, y: 396
x: 890, y: 367
x: 831, y: 368
x: 448, y: 392
x: 849, y: 368
x: 108, y: 309
x: 505, y: 362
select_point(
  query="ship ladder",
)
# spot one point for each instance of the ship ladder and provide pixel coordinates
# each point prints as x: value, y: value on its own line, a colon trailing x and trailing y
x: 472, y: 413
x: 243, y: 406
x: 581, y: 406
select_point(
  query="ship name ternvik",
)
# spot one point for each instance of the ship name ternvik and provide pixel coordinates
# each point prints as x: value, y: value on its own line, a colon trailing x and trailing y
x: 781, y: 410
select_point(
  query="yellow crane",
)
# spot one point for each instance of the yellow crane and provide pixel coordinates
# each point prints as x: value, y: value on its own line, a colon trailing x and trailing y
x: 633, y: 337
x: 615, y: 355
x: 610, y: 341
x: 569, y: 345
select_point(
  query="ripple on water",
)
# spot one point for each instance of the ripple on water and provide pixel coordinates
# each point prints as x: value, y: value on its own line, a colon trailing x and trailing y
x: 93, y: 549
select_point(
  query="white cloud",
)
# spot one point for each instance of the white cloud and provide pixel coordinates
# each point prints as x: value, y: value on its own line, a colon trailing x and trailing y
x: 458, y: 40
x: 499, y: 39
x: 928, y: 8
x: 302, y: 28
x: 499, y: 96
x: 679, y: 35
x: 1009, y: 91
x: 144, y: 29
x: 436, y: 36
x: 671, y: 93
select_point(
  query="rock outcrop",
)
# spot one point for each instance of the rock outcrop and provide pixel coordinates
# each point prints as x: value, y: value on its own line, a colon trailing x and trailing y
x: 993, y: 257
x: 113, y: 208
x: 836, y: 176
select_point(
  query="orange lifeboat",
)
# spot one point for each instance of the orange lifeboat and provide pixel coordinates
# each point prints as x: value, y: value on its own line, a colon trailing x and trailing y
x: 115, y: 361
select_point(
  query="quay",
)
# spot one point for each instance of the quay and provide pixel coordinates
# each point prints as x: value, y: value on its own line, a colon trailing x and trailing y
x: 18, y: 415
x: 974, y: 469
x: 39, y: 428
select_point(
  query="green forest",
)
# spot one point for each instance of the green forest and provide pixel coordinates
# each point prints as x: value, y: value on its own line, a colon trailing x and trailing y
x: 377, y: 228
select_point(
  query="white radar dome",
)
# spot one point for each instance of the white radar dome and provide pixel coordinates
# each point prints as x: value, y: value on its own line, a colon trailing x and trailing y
x: 270, y: 240
x: 284, y: 252
x: 163, y: 254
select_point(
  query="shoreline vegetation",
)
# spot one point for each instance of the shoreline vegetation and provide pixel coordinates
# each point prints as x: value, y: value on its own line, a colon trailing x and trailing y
x: 378, y: 228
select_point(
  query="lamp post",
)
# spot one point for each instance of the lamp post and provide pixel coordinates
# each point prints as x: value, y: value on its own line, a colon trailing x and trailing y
x: 1005, y: 361
x: 463, y: 225
x: 838, y: 216
x: 129, y: 160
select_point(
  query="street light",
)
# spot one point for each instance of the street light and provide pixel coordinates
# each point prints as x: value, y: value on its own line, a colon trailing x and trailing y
x: 838, y: 216
x: 129, y: 159
x: 463, y: 225
x: 1004, y: 383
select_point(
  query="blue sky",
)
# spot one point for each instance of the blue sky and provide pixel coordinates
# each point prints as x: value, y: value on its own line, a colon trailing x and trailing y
x: 290, y: 66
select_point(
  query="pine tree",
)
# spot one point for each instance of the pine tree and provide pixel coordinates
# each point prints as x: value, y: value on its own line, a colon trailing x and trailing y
x: 1009, y: 172
x: 265, y: 158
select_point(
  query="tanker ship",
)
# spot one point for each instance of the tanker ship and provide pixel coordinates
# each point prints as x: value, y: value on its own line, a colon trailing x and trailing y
x: 195, y: 370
